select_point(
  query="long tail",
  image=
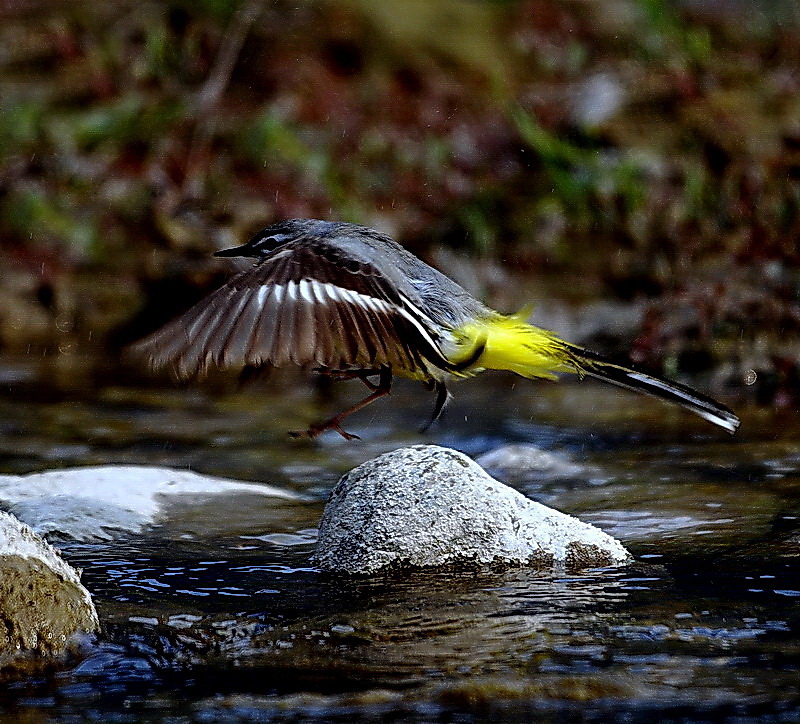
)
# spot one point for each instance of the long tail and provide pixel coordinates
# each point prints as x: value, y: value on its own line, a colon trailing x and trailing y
x: 513, y: 344
x: 595, y: 365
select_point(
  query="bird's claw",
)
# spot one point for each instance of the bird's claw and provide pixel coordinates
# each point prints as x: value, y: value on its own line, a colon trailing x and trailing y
x: 314, y: 431
x: 346, y: 435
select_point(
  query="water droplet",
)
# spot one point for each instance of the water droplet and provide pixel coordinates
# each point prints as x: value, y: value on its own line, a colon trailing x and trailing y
x: 750, y: 377
x: 64, y: 323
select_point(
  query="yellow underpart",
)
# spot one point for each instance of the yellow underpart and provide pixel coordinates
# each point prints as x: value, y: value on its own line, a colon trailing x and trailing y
x: 513, y: 344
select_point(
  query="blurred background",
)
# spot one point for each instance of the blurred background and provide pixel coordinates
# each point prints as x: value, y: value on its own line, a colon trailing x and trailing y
x: 631, y: 165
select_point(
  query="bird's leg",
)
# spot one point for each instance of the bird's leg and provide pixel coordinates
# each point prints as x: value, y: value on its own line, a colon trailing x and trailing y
x: 383, y: 387
x: 362, y: 375
x: 442, y: 396
x: 365, y: 375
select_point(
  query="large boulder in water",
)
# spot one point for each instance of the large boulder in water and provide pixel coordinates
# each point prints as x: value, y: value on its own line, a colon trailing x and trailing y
x: 427, y: 506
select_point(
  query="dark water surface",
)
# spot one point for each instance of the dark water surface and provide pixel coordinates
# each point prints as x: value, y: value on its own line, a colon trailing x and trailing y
x: 217, y: 613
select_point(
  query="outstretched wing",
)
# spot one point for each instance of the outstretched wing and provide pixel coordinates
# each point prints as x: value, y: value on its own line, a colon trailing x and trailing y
x: 311, y: 304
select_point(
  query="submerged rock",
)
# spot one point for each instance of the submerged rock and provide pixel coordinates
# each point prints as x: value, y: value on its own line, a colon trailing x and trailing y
x: 97, y: 502
x: 42, y: 601
x: 520, y: 461
x: 431, y: 506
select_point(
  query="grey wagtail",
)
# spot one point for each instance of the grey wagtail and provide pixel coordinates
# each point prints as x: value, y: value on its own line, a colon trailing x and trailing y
x: 350, y: 302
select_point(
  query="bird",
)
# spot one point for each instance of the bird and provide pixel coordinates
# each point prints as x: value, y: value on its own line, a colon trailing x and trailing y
x: 349, y: 302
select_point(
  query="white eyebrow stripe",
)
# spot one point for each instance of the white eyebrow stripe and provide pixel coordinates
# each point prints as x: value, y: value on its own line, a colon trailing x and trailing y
x: 306, y: 291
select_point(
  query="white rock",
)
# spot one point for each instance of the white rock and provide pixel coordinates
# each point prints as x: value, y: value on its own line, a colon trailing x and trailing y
x: 91, y: 503
x: 432, y: 506
x: 42, y: 601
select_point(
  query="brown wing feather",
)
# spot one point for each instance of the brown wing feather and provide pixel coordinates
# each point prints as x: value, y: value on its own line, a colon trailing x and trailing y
x: 305, y: 332
x: 219, y: 343
x: 242, y: 332
x: 283, y: 339
x: 338, y: 327
x: 260, y: 347
x: 308, y: 304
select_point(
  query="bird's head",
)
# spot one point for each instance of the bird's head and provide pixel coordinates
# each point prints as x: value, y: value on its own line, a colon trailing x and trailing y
x: 275, y: 235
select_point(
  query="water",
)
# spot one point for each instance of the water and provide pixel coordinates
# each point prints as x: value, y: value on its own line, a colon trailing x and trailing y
x: 216, y: 612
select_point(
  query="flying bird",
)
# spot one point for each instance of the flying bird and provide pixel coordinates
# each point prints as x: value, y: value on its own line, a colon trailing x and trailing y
x: 350, y: 302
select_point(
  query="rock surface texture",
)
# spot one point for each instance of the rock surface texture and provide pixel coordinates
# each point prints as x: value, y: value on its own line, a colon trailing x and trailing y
x: 42, y: 601
x: 427, y: 506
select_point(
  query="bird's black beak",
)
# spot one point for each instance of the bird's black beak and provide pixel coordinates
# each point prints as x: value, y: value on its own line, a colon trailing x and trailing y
x: 243, y: 250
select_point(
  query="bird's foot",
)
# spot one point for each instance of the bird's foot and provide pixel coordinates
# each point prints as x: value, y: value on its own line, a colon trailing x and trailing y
x: 362, y: 375
x: 334, y: 423
x: 314, y: 431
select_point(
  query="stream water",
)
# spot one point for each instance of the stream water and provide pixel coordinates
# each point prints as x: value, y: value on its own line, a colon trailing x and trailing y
x: 217, y: 613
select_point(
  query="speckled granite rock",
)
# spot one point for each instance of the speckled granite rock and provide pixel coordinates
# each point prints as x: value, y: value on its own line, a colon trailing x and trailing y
x: 42, y: 601
x: 431, y: 506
